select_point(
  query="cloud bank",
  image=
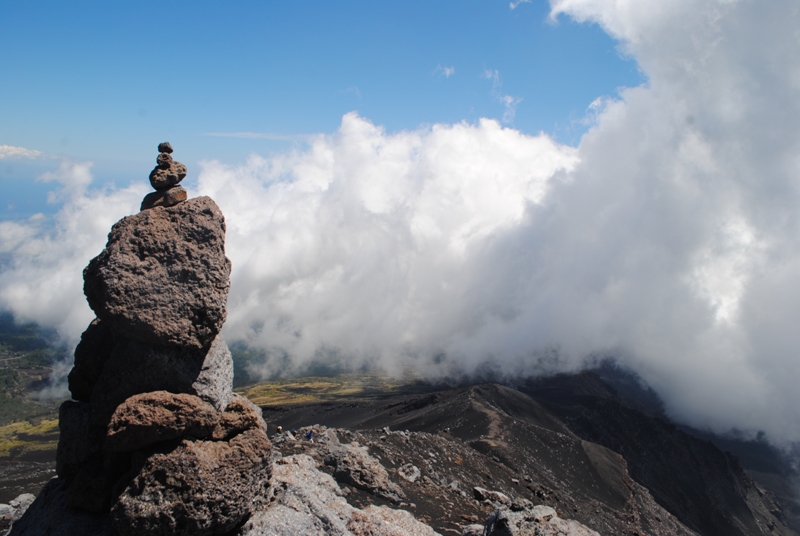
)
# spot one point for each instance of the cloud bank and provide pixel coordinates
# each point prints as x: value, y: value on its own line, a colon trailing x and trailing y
x: 668, y: 238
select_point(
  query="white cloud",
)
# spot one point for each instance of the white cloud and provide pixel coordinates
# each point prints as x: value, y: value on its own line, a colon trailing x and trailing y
x: 515, y: 5
x: 668, y: 238
x: 447, y: 72
x: 8, y: 152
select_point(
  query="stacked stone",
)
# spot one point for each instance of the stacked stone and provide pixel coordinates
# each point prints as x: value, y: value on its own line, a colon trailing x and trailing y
x: 165, y: 178
x: 155, y: 436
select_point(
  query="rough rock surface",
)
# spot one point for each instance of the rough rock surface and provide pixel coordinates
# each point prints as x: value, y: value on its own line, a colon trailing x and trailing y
x: 164, y: 198
x: 353, y: 465
x: 199, y: 488
x: 150, y: 418
x: 163, y: 277
x: 310, y: 502
x: 49, y: 515
x: 136, y: 367
x: 535, y: 521
x: 96, y: 345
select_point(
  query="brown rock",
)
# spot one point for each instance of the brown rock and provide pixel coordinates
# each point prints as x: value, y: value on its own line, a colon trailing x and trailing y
x: 135, y: 367
x: 164, y: 160
x: 161, y: 178
x: 200, y: 488
x: 164, y: 198
x: 163, y: 277
x: 240, y: 415
x: 91, y: 354
x: 149, y: 418
x: 164, y: 147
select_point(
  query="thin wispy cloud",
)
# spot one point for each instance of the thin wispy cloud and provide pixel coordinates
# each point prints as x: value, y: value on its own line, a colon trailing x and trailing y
x: 9, y: 152
x: 447, y: 72
x: 515, y: 5
x: 509, y: 102
x: 354, y: 90
x: 262, y: 136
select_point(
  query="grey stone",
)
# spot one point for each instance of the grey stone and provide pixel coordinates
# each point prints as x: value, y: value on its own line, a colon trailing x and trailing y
x: 496, y: 497
x: 96, y: 345
x: 472, y: 530
x: 309, y: 502
x: 409, y: 472
x: 200, y: 488
x: 163, y: 277
x: 353, y: 465
x: 136, y: 368
x: 539, y: 521
x: 164, y: 198
x: 49, y: 515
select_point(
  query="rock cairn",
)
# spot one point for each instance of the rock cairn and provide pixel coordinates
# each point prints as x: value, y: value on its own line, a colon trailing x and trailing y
x: 165, y: 178
x: 155, y: 440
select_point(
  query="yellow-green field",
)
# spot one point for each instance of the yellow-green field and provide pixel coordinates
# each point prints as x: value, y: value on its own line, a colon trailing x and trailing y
x: 326, y: 389
x: 19, y: 438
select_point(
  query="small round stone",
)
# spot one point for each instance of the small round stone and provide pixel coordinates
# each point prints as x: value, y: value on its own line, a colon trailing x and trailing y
x: 164, y: 147
x: 164, y: 160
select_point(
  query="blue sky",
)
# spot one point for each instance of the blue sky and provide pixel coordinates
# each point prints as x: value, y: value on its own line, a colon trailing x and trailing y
x: 105, y: 81
x: 428, y: 179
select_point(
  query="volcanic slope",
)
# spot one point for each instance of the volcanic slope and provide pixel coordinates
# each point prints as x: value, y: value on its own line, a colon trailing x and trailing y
x: 705, y: 487
x: 491, y: 437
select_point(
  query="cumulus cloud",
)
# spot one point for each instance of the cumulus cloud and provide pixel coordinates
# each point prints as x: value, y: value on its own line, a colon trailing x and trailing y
x: 8, y: 152
x: 667, y: 239
x: 41, y: 276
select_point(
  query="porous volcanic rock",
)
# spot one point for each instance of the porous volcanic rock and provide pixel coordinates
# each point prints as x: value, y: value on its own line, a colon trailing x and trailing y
x: 163, y: 277
x: 240, y: 415
x: 164, y: 198
x: 200, y: 488
x: 96, y: 345
x: 135, y: 367
x: 150, y: 418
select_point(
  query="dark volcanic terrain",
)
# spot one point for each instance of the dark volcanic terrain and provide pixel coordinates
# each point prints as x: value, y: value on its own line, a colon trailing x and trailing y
x: 569, y: 442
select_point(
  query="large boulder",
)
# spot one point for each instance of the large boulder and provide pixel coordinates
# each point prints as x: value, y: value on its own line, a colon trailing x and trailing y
x: 135, y: 367
x: 163, y: 277
x: 200, y: 488
x: 77, y: 440
x: 150, y: 418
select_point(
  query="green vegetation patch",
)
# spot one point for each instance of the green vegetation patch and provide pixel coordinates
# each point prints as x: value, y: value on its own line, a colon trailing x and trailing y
x: 19, y: 438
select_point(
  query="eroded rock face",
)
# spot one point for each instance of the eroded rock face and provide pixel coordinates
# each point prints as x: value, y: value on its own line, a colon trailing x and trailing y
x: 200, y: 488
x: 134, y: 368
x: 163, y: 277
